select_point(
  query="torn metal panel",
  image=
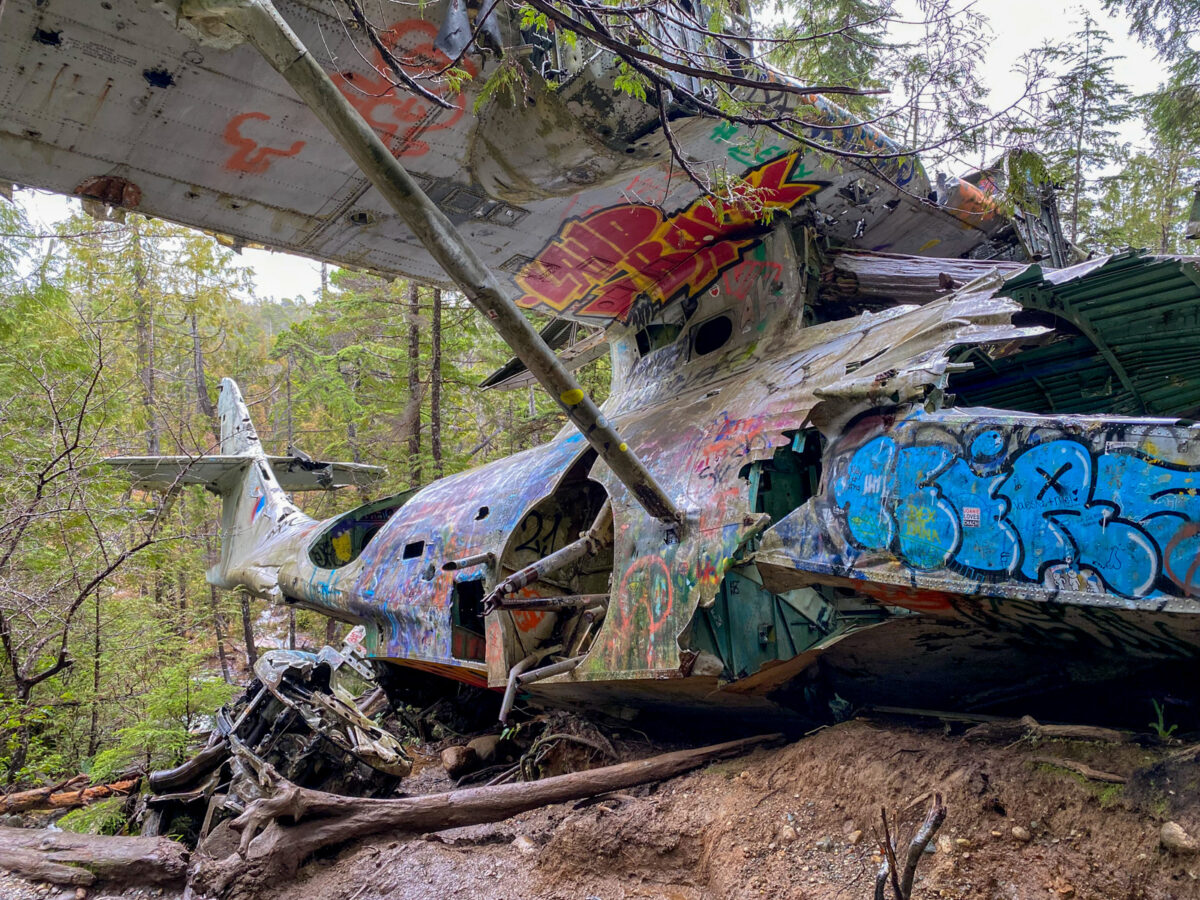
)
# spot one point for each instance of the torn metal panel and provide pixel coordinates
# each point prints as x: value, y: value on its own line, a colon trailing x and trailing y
x: 855, y: 281
x: 576, y: 348
x: 1126, y: 332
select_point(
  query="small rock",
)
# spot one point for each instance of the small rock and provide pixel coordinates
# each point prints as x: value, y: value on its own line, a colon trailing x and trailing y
x: 1174, y: 838
x: 825, y: 844
x: 525, y: 844
x: 487, y: 748
x: 855, y: 836
x: 1066, y: 891
x: 787, y: 835
x: 1021, y: 834
x: 962, y: 842
x: 459, y: 760
x: 945, y: 844
x: 997, y: 834
x: 743, y: 775
x: 80, y: 893
x: 929, y: 848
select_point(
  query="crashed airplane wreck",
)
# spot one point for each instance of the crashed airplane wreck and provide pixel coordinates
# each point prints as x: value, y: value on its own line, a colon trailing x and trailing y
x: 866, y: 433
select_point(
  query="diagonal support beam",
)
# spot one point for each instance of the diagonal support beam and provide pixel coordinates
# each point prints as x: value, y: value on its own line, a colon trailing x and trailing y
x: 257, y: 22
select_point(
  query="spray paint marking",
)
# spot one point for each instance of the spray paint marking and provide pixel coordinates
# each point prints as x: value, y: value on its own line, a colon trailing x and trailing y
x: 398, y: 116
x: 249, y: 156
x: 600, y: 263
x: 1122, y: 522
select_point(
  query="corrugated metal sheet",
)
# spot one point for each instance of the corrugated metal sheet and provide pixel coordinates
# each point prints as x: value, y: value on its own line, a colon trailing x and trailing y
x: 1129, y: 342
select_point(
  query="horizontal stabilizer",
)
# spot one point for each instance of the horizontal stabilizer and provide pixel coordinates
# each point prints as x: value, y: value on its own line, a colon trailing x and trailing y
x: 161, y: 473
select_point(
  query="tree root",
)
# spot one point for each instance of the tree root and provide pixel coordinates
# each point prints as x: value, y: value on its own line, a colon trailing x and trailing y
x: 281, y: 830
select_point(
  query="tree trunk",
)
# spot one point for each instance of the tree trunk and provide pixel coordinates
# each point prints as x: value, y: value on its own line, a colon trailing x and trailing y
x: 144, y: 324
x: 321, y: 819
x: 248, y: 631
x: 414, y: 381
x: 82, y: 860
x: 1079, y: 139
x: 203, y: 402
x: 214, y: 603
x: 435, y: 384
x: 94, y: 728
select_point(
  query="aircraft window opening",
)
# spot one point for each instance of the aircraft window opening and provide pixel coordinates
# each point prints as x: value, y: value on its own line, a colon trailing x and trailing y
x: 783, y: 483
x: 414, y: 550
x: 747, y: 626
x: 656, y: 336
x: 466, y: 620
x: 712, y: 335
x: 347, y: 537
x: 482, y: 514
x: 576, y: 505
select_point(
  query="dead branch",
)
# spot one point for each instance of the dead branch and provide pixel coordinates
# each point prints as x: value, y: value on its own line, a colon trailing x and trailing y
x: 1028, y: 726
x: 65, y: 795
x: 84, y: 859
x: 1081, y: 769
x: 902, y: 882
x: 271, y: 850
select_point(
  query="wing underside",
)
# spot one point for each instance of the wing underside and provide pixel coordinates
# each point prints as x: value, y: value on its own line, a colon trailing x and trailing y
x: 168, y: 472
x: 571, y: 194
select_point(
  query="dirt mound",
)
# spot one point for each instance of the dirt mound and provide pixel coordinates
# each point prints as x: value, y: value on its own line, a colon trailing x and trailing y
x: 800, y: 821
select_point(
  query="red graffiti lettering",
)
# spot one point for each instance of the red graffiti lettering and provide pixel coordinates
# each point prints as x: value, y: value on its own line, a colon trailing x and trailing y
x: 399, y: 118
x: 601, y: 262
x: 249, y: 156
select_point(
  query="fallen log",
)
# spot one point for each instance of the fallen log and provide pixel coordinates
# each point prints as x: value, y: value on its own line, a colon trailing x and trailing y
x: 270, y: 850
x: 55, y: 797
x: 81, y: 860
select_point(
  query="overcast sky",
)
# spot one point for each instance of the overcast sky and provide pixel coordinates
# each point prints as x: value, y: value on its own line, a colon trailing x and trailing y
x: 1018, y: 26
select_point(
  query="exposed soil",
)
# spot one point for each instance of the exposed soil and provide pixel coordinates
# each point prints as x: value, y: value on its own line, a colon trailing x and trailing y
x: 802, y: 820
x: 782, y: 823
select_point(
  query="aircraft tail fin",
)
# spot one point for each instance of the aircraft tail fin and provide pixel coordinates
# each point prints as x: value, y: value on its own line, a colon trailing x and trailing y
x: 238, y: 436
x: 240, y: 447
x: 253, y: 487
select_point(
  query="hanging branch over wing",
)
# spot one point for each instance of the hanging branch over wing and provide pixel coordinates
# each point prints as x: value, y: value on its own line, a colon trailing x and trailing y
x: 663, y: 49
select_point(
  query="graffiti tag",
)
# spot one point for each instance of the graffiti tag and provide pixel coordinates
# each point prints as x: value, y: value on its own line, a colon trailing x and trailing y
x: 601, y: 263
x: 1054, y: 512
x: 249, y: 156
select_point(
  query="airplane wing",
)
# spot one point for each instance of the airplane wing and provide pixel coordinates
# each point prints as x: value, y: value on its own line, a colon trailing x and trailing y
x: 569, y: 193
x: 166, y: 472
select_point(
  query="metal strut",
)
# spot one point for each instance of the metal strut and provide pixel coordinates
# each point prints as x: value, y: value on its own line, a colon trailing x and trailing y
x: 222, y: 22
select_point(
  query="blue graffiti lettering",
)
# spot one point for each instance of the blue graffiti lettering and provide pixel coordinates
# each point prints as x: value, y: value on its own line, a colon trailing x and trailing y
x: 1037, y: 513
